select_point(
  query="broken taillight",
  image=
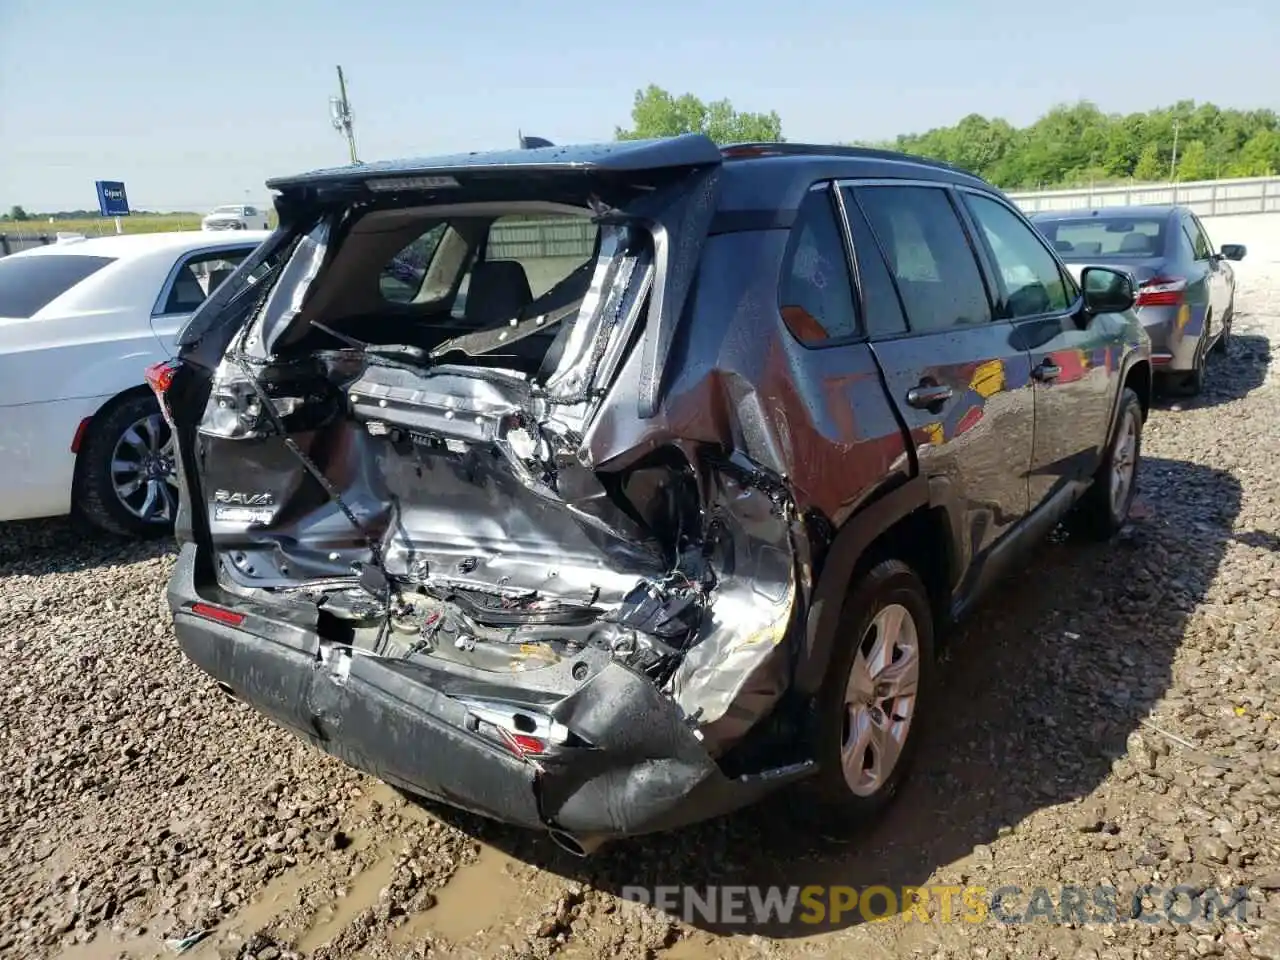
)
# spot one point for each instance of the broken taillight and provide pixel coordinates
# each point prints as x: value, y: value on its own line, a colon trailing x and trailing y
x: 160, y: 379
x: 160, y: 376
x: 522, y: 744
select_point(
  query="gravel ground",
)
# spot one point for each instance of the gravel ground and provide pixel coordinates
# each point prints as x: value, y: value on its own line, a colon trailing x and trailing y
x: 1111, y: 719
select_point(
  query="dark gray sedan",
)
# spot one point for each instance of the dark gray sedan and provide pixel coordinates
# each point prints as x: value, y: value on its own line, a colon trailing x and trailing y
x: 1186, y: 292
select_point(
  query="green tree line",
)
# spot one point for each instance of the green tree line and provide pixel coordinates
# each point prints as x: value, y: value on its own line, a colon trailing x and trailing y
x: 1071, y: 145
x: 1079, y: 144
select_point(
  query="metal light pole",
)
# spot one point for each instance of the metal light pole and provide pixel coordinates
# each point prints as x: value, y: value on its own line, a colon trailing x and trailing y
x: 340, y: 113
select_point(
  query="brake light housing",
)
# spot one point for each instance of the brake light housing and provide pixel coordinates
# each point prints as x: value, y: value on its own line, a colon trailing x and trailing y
x: 1161, y: 292
x: 160, y: 376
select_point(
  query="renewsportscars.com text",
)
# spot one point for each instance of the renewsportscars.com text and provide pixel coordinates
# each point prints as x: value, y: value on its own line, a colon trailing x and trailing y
x: 1010, y: 904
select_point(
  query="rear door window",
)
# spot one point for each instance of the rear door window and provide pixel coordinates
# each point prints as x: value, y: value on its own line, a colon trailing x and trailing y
x: 29, y: 284
x: 1028, y: 272
x: 198, y: 277
x: 404, y: 276
x: 815, y: 297
x: 530, y: 264
x: 1186, y: 246
x: 1199, y: 239
x: 881, y: 309
x: 928, y: 254
x: 549, y: 248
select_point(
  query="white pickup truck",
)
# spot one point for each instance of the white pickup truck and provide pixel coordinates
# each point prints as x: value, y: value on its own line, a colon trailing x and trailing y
x: 236, y: 216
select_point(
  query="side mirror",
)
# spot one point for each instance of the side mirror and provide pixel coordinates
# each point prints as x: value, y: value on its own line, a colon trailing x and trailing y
x: 1233, y: 251
x: 1106, y: 290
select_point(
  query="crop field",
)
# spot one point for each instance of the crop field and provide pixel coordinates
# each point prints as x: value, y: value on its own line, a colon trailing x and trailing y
x: 104, y: 226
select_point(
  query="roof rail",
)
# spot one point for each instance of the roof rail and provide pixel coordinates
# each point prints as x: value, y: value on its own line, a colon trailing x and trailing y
x: 787, y: 149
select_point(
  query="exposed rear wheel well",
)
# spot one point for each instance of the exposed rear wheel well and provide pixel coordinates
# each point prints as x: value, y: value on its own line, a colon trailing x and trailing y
x: 922, y: 541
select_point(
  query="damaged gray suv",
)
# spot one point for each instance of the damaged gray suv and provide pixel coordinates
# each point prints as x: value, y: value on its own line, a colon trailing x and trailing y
x: 601, y: 490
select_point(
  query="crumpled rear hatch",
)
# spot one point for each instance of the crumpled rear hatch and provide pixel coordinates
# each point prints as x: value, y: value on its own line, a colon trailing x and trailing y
x: 478, y: 470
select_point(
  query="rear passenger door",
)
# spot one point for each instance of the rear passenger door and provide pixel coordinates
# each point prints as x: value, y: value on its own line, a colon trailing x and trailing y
x: 1074, y: 370
x: 960, y: 383
x: 1215, y: 273
x: 193, y: 277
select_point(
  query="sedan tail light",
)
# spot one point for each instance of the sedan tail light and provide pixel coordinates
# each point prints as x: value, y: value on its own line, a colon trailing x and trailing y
x: 160, y: 378
x: 1161, y: 292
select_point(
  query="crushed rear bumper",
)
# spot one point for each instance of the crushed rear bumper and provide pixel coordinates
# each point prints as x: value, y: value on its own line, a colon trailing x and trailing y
x: 645, y: 771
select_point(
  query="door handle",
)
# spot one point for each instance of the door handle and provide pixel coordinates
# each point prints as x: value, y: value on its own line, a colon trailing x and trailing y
x: 929, y: 396
x: 1047, y: 371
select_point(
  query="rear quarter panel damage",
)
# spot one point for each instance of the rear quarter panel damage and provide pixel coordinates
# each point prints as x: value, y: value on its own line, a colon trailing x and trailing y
x: 787, y: 440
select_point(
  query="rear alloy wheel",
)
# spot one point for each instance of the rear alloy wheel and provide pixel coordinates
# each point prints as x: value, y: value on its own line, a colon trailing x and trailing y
x: 1104, y: 508
x: 868, y: 717
x: 880, y: 700
x: 127, y: 481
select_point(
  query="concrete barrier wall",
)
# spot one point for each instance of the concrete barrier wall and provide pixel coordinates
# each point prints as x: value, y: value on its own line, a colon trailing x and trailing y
x: 1206, y: 198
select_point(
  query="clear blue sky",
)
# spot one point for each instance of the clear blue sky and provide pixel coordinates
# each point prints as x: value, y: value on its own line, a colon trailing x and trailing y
x: 192, y: 104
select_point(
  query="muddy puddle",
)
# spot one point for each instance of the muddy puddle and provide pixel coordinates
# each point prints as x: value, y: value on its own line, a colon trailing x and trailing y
x: 475, y: 909
x: 485, y: 904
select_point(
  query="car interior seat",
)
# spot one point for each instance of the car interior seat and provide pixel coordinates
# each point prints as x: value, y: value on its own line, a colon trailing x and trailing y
x: 498, y: 290
x: 1136, y: 243
x: 186, y: 295
x: 218, y: 277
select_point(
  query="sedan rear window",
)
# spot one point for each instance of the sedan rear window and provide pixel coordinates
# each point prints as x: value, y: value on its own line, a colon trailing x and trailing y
x: 1094, y: 237
x: 29, y: 284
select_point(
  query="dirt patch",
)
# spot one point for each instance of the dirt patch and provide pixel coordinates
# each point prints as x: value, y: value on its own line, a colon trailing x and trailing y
x: 1109, y: 718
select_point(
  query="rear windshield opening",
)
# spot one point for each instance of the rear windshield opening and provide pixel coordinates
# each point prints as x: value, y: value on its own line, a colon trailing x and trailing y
x: 29, y: 284
x: 410, y: 277
x: 1097, y: 237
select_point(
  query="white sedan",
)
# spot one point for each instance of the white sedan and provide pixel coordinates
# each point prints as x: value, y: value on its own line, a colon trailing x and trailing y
x: 80, y: 321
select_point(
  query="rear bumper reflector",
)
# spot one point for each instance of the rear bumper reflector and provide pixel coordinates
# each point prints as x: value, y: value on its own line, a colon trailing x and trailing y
x: 81, y: 430
x: 217, y: 614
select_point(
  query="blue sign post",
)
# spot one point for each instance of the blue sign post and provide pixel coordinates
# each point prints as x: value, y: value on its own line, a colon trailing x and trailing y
x: 112, y: 201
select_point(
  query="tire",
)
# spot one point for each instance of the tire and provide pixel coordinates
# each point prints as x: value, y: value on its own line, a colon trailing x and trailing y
x: 888, y: 592
x: 128, y: 430
x: 1224, y: 338
x: 1191, y: 383
x: 1101, y: 513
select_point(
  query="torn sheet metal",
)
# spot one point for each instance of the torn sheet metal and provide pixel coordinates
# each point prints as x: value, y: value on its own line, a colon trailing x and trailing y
x: 679, y: 219
x: 598, y: 319
x: 287, y: 296
x: 738, y: 666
